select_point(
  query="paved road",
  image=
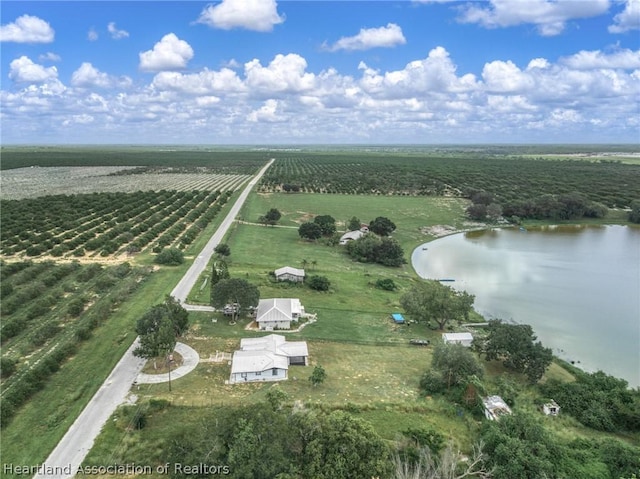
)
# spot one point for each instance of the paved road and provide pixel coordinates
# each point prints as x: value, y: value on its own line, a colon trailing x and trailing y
x: 66, y: 458
x: 188, y: 281
x: 78, y: 441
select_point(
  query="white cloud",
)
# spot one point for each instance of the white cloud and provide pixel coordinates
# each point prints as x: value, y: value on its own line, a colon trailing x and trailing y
x: 584, y: 60
x: 257, y: 15
x: 436, y: 73
x: 549, y: 16
x: 92, y: 35
x: 115, y: 33
x: 27, y: 29
x: 170, y: 53
x: 628, y: 19
x: 88, y: 76
x: 267, y: 112
x: 505, y: 77
x: 285, y: 73
x: 24, y: 70
x: 204, y: 83
x: 577, y: 98
x: 49, y: 57
x: 367, y: 38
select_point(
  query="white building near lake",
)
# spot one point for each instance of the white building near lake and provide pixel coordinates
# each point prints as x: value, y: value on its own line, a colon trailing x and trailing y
x: 466, y: 339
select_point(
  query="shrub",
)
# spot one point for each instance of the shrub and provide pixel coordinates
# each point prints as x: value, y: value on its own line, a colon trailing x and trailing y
x: 319, y: 283
x: 8, y: 366
x: 170, y: 257
x: 387, y: 284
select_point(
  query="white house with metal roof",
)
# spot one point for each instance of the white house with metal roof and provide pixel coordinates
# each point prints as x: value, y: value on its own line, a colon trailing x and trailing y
x: 278, y: 313
x: 266, y: 359
x: 287, y: 273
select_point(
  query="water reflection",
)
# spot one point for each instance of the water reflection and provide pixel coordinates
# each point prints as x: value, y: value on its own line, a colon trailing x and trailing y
x: 578, y: 286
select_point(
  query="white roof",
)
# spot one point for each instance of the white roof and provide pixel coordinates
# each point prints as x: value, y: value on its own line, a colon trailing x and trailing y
x: 289, y: 270
x: 457, y: 337
x: 278, y: 309
x: 496, y: 406
x: 257, y: 361
x: 276, y: 344
x: 352, y: 235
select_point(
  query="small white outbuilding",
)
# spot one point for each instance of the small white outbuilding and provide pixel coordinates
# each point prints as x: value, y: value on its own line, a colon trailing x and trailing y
x: 458, y: 338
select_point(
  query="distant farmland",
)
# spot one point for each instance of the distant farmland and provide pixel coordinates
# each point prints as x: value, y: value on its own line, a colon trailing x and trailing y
x: 21, y: 183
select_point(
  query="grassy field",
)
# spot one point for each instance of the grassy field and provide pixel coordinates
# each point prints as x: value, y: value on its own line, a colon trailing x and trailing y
x: 372, y: 370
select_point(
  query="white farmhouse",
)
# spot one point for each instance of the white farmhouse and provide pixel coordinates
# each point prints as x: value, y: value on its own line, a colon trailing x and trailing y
x: 266, y: 359
x: 278, y: 313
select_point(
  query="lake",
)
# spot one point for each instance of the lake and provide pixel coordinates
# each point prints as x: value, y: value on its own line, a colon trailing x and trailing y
x: 577, y: 286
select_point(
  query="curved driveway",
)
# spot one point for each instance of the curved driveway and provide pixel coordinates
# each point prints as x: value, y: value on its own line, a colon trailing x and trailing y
x: 190, y: 360
x: 68, y: 455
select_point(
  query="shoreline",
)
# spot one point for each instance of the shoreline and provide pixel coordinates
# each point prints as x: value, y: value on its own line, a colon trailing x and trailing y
x: 560, y: 352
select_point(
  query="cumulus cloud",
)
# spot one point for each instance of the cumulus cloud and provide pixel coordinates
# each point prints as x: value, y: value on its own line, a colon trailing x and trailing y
x: 267, y: 112
x: 257, y: 15
x: 206, y: 82
x: 285, y: 73
x: 24, y: 70
x: 88, y: 76
x: 583, y: 60
x: 436, y: 73
x: 170, y: 53
x: 570, y: 99
x: 115, y: 33
x: 505, y: 77
x: 628, y: 19
x: 549, y: 16
x: 367, y: 38
x: 27, y: 29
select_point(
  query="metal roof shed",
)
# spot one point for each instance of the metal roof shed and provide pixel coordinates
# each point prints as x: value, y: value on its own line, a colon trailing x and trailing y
x: 398, y: 318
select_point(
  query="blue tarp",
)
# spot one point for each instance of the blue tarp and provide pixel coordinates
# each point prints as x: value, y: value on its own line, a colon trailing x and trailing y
x: 398, y: 318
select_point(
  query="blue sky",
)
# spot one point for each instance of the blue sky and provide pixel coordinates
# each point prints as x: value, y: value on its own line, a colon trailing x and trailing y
x: 261, y: 71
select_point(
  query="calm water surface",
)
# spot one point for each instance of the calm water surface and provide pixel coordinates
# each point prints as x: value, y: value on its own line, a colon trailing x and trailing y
x: 577, y: 286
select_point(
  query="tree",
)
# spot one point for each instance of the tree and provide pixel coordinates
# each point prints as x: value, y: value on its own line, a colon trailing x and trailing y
x: 318, y: 375
x: 326, y: 223
x: 177, y: 314
x: 519, y: 447
x: 156, y: 332
x: 310, y: 231
x: 382, y: 226
x: 494, y: 211
x: 431, y: 300
x: 455, y: 363
x: 515, y: 346
x: 354, y: 224
x: 235, y: 290
x: 319, y: 283
x: 222, y: 249
x: 342, y: 446
x: 276, y: 397
x: 373, y: 249
x: 477, y: 212
x: 272, y: 216
x: 170, y: 257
